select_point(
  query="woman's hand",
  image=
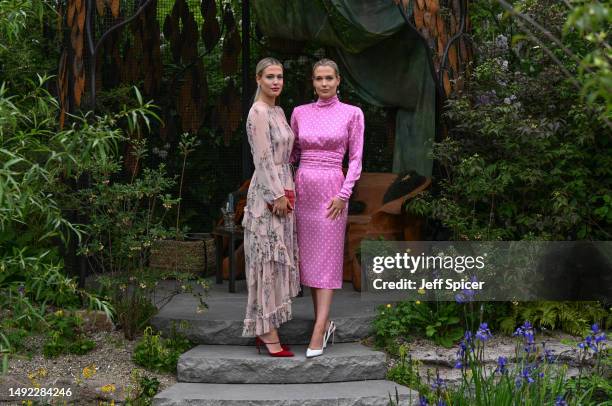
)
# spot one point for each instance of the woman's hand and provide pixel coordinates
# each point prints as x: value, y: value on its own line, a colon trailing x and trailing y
x: 335, y: 208
x: 281, y: 206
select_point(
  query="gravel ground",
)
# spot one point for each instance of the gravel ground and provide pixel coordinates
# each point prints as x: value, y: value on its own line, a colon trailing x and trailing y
x: 105, y: 373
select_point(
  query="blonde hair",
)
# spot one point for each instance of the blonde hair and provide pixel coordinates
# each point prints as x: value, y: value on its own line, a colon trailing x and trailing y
x: 261, y: 66
x: 326, y: 62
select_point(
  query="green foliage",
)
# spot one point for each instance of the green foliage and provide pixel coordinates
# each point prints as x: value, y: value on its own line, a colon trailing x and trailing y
x: 29, y: 44
x: 145, y: 389
x: 592, y: 21
x: 5, y: 349
x: 65, y: 336
x: 440, y: 322
x: 126, y: 217
x: 533, y: 378
x: 526, y: 157
x: 571, y: 317
x: 406, y: 371
x: 158, y: 354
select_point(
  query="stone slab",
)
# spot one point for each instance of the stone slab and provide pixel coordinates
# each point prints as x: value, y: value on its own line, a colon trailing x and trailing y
x: 356, y: 393
x: 242, y: 364
x: 222, y: 323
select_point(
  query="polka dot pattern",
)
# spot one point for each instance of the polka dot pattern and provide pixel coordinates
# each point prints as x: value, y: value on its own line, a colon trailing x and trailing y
x: 325, y: 131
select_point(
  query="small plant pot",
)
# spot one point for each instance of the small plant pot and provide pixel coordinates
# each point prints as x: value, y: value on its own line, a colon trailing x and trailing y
x: 195, y: 255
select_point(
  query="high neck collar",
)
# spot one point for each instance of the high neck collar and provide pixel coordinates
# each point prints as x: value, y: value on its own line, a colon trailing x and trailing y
x: 327, y: 102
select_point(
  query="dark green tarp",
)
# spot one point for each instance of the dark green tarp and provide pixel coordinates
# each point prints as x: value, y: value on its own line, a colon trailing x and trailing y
x: 379, y: 55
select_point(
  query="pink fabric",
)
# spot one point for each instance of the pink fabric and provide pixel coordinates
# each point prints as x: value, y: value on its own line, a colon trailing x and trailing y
x: 324, y: 131
x: 270, y: 242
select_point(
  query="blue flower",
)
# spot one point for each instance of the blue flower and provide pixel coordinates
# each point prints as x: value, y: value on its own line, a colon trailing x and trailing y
x: 466, y: 295
x: 438, y: 383
x: 423, y: 401
x: 548, y: 356
x: 483, y: 333
x: 525, y: 376
x: 526, y: 331
x: 560, y: 401
x: 596, y: 341
x: 501, y: 365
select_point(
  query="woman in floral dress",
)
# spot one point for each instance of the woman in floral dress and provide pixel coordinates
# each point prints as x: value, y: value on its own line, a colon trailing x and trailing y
x: 270, y: 239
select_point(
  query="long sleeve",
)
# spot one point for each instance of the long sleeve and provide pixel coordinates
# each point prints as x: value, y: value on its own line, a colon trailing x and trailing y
x: 261, y: 147
x: 355, y: 149
x: 296, y: 151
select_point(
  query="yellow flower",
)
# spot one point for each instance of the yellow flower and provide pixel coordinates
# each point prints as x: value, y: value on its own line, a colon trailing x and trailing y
x: 418, y: 302
x: 421, y: 291
x: 59, y: 313
x: 42, y: 372
x: 108, y: 388
x: 89, y: 371
x: 388, y: 304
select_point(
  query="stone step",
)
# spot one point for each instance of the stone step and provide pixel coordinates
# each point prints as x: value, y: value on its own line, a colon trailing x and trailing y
x: 356, y: 393
x: 242, y: 364
x: 223, y: 321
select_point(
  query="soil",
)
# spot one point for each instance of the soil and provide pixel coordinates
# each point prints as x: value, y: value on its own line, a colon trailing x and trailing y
x: 105, y: 375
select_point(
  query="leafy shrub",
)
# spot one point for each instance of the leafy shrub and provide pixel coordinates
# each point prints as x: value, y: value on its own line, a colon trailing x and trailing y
x: 440, y: 322
x: 406, y: 371
x: 65, y: 336
x: 40, y: 162
x: 526, y: 157
x: 572, y: 317
x: 143, y: 389
x: 126, y: 217
x: 159, y: 354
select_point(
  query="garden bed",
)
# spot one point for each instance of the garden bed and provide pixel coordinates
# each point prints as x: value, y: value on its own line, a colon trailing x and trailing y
x: 431, y: 358
x: 107, y: 373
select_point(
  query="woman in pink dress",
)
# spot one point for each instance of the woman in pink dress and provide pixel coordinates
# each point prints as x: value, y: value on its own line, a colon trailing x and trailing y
x: 324, y: 131
x: 270, y: 237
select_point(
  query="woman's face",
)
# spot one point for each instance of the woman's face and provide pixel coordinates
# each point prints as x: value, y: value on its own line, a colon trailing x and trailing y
x: 325, y: 81
x: 271, y: 81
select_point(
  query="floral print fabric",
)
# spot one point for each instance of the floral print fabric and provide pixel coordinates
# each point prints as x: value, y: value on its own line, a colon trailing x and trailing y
x: 270, y: 242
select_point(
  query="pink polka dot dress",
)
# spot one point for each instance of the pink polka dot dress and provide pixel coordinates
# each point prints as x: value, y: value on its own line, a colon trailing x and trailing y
x: 324, y: 131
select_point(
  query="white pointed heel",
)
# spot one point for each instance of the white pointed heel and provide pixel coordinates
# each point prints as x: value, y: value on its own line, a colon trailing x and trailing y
x: 331, y: 331
x: 313, y: 353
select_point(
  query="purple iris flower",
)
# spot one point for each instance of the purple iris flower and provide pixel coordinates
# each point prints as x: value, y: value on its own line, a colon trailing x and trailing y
x: 438, y: 383
x: 466, y: 295
x: 502, y: 362
x: 483, y: 333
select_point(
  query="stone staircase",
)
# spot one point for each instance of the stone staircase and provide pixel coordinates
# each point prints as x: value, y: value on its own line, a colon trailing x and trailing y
x: 225, y: 369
